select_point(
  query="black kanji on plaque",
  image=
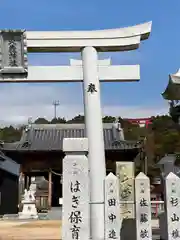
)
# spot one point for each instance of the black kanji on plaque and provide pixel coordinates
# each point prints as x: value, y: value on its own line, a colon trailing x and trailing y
x: 112, y: 202
x: 75, y: 217
x: 174, y: 201
x: 91, y: 88
x: 75, y: 187
x: 12, y: 53
x: 112, y: 217
x: 75, y: 201
x: 174, y: 218
x: 112, y: 234
x: 143, y: 202
x: 143, y: 217
x: 173, y: 190
x: 142, y: 187
x: 175, y: 233
x: 142, y: 190
x: 75, y: 232
x: 144, y: 233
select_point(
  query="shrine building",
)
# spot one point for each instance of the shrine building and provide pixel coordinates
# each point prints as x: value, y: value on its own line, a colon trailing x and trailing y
x: 39, y: 152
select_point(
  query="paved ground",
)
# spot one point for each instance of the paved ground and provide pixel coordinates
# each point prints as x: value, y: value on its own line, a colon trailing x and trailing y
x: 35, y: 230
x: 55, y: 213
x: 50, y: 229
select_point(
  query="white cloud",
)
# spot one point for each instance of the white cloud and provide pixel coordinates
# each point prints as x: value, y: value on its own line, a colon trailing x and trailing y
x: 18, y: 102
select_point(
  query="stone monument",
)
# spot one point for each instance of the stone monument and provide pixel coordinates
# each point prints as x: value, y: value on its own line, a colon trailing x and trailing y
x: 170, y: 220
x: 143, y: 207
x: 75, y: 224
x: 125, y: 173
x: 29, y: 210
x: 112, y: 210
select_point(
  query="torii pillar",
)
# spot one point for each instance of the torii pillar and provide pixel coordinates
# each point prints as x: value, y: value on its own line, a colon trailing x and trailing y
x: 14, y: 69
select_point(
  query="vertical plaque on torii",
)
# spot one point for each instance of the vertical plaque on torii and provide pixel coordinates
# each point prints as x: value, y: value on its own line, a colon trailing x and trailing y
x: 13, y: 53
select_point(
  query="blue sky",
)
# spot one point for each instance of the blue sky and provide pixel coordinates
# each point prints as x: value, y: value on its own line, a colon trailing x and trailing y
x: 158, y: 56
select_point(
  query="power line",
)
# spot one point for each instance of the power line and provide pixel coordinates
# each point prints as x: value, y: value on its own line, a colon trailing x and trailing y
x: 55, y: 104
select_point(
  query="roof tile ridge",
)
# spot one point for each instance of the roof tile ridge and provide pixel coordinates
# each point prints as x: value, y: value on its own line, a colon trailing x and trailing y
x: 25, y: 137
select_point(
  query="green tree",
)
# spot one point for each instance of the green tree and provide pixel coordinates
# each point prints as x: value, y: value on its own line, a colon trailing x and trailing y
x: 77, y: 119
x: 41, y: 121
x: 166, y: 137
x: 58, y: 120
x: 108, y: 119
x: 10, y: 134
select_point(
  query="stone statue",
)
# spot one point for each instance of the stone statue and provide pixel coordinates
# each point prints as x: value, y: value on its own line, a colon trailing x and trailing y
x: 29, y: 206
x: 28, y: 196
x: 117, y: 124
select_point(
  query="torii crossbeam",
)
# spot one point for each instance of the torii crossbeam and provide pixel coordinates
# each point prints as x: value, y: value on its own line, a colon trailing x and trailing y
x: 14, y: 46
x: 41, y: 74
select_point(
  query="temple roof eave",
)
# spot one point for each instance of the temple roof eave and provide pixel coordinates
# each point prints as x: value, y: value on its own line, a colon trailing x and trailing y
x: 8, y: 165
x: 49, y: 137
x: 116, y: 146
x: 172, y: 91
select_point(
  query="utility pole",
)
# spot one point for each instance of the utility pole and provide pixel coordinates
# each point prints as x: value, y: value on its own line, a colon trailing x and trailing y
x: 55, y: 104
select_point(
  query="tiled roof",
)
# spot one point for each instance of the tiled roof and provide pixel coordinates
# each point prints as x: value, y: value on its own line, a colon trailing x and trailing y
x: 172, y: 91
x: 8, y: 165
x: 168, y: 159
x: 46, y: 137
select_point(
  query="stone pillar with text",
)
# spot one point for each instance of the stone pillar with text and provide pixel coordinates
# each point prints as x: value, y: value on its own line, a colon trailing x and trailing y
x: 75, y: 214
x: 126, y: 173
x: 94, y: 130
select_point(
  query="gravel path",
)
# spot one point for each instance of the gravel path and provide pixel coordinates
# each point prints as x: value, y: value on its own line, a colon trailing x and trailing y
x: 36, y: 230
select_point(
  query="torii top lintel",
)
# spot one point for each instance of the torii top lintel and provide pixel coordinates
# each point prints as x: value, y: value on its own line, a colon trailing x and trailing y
x: 120, y: 39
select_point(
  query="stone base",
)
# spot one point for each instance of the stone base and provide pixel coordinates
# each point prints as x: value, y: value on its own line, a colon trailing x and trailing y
x: 128, y: 229
x: 27, y: 216
x: 127, y: 210
x: 29, y: 211
x: 163, y: 226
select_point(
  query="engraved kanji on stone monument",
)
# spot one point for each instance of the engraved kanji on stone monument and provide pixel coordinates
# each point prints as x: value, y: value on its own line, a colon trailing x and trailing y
x: 173, y: 206
x: 112, y: 209
x: 13, y: 53
x: 125, y: 173
x: 91, y: 88
x: 143, y: 207
x: 75, y: 197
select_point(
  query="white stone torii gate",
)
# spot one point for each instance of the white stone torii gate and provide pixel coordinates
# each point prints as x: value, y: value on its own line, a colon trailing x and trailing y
x: 13, y: 68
